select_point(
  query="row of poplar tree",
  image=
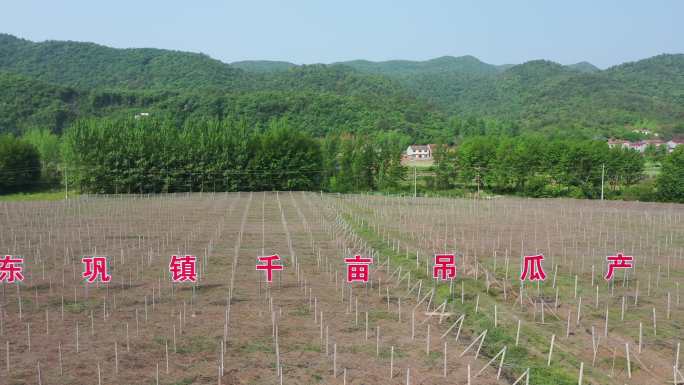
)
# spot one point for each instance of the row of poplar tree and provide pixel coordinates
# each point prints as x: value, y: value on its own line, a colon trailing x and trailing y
x: 537, y: 166
x: 150, y: 155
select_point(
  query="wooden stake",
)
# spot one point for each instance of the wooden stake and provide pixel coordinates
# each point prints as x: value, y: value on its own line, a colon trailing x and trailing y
x: 525, y: 375
x: 629, y: 362
x: 377, y: 340
x: 59, y: 351
x: 579, y: 310
x: 553, y: 338
x: 116, y: 358
x: 427, y: 341
x: 677, y: 356
x: 413, y: 325
x: 496, y: 319
x: 391, y: 362
x: 445, y: 359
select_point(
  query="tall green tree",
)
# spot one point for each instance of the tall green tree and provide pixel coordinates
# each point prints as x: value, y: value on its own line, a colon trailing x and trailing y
x: 364, y: 165
x: 389, y: 147
x: 152, y: 155
x: 19, y: 165
x: 670, y: 182
x: 48, y: 146
x: 444, y: 167
x: 476, y: 157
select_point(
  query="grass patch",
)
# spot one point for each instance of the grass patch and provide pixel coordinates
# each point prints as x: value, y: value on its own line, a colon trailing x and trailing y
x: 517, y: 358
x: 185, y: 381
x: 301, y: 311
x: 257, y: 346
x: 36, y: 196
x: 78, y: 306
x: 195, y: 344
x: 308, y: 347
x: 375, y: 315
x: 386, y: 353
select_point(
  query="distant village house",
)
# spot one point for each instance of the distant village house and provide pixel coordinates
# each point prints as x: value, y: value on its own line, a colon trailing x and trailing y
x: 419, y: 152
x: 643, y: 144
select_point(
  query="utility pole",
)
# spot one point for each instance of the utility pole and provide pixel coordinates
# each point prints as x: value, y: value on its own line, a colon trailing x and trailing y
x: 415, y: 178
x: 603, y: 172
x: 66, y: 184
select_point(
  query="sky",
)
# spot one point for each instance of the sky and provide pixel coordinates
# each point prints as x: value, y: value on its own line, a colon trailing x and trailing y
x: 603, y: 32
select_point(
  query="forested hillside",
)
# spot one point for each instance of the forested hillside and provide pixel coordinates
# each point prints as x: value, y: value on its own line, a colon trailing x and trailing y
x: 263, y: 65
x: 88, y: 65
x: 150, y: 120
x: 28, y: 104
x: 25, y: 103
x: 541, y: 93
x: 51, y: 84
x: 62, y: 81
x: 467, y: 65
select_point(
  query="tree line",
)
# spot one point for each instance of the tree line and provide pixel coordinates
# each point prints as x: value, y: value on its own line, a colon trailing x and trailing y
x: 538, y: 166
x: 150, y: 155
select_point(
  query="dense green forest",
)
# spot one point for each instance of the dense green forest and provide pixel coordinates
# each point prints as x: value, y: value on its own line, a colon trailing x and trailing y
x: 157, y: 120
x: 542, y: 94
x: 152, y: 155
x: 72, y: 80
x: 539, y: 167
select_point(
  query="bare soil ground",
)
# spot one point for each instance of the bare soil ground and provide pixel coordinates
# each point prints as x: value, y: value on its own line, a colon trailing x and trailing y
x: 490, y: 236
x: 229, y: 328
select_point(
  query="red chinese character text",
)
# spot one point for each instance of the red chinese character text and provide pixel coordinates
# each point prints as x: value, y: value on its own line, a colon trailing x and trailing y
x: 445, y: 267
x: 532, y: 268
x: 9, y: 272
x: 183, y: 268
x: 617, y: 262
x: 357, y: 268
x: 95, y: 267
x: 269, y: 266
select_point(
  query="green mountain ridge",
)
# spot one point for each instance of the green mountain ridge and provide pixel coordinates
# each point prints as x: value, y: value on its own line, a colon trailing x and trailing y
x: 317, y: 99
x: 53, y: 83
x: 263, y: 66
x: 87, y: 65
x: 463, y: 64
x: 584, y: 66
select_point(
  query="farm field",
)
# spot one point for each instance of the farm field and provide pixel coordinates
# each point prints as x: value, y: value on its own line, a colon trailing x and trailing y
x: 309, y: 325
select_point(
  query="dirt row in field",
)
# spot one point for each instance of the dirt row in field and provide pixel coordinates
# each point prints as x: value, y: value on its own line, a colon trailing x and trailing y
x: 126, y: 327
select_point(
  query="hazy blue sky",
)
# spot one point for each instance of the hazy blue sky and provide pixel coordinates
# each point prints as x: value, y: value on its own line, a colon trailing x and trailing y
x: 604, y: 32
